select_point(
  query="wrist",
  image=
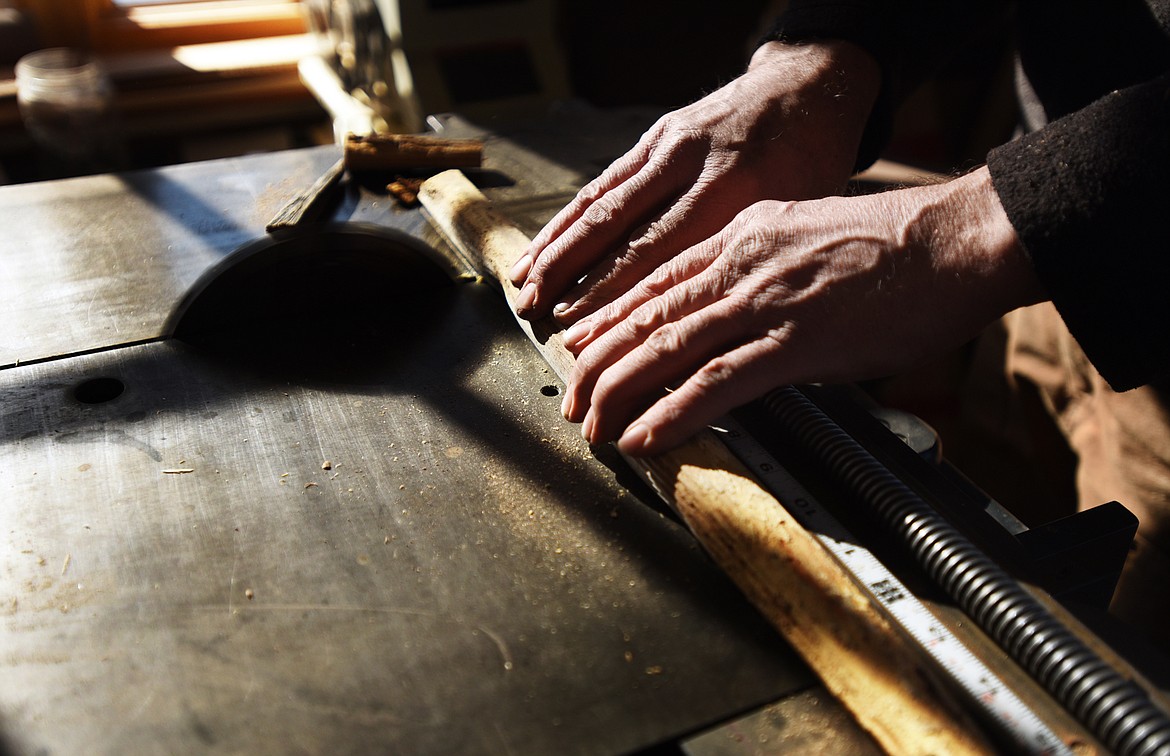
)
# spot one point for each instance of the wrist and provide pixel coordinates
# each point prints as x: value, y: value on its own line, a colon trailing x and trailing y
x: 821, y: 92
x: 828, y: 70
x: 967, y: 231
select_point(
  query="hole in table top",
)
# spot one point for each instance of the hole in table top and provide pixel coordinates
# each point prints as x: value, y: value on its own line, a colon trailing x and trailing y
x: 98, y: 390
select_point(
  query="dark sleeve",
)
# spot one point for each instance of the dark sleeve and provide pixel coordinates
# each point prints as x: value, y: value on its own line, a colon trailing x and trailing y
x: 1088, y: 195
x: 910, y: 39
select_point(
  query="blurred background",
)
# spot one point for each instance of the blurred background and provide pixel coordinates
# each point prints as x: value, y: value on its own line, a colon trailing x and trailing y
x: 144, y: 83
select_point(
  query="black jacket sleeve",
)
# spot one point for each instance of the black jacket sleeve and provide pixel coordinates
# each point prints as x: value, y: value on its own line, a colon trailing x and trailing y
x: 1089, y: 196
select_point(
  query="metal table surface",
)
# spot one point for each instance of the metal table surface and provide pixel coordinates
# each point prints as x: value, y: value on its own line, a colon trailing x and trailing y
x: 377, y: 535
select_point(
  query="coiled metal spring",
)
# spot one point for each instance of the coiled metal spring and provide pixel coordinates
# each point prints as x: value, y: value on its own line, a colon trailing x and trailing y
x: 1116, y: 710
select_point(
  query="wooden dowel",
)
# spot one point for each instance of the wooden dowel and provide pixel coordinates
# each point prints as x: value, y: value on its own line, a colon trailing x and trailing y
x: 400, y: 152
x: 877, y: 672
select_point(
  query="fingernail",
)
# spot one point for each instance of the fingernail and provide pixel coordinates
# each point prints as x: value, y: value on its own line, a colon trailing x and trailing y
x: 587, y: 427
x: 520, y: 269
x: 526, y: 297
x: 575, y: 334
x: 560, y: 308
x: 566, y: 404
x: 634, y: 439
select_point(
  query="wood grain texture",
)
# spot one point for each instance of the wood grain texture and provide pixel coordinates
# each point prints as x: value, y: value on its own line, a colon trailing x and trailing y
x: 870, y: 666
x: 390, y: 152
x: 310, y: 203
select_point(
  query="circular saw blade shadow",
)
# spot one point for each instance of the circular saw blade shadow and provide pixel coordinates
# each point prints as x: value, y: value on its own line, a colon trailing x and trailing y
x: 335, y: 303
x: 462, y: 548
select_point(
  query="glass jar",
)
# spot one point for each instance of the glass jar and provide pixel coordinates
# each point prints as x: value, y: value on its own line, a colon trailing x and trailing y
x: 66, y: 101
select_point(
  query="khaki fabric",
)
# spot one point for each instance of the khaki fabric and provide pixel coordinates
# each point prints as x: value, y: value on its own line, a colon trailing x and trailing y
x: 1024, y: 415
x: 1119, y: 444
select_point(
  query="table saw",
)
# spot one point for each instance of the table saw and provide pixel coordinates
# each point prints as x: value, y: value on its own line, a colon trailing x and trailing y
x: 354, y: 520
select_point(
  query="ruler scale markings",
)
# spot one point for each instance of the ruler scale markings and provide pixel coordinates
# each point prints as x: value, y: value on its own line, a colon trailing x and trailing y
x: 982, y: 685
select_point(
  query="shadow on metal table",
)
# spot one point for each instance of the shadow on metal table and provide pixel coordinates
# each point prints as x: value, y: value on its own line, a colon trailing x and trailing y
x: 350, y: 520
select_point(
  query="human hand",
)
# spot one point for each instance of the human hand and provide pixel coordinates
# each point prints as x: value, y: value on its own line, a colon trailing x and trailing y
x: 831, y: 290
x: 788, y: 128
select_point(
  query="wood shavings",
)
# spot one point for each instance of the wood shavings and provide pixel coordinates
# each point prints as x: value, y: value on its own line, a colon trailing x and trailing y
x: 405, y: 190
x: 178, y: 470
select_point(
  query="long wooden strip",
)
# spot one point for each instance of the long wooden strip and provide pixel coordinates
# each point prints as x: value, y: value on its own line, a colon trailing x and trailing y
x: 308, y: 204
x: 396, y: 152
x: 870, y: 666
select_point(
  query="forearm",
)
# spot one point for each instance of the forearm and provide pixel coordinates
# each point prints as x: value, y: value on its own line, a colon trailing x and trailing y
x: 1088, y: 195
x: 976, y: 254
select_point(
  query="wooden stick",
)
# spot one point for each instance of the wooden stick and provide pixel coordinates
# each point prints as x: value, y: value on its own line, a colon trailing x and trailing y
x: 308, y: 204
x: 870, y: 666
x: 395, y: 152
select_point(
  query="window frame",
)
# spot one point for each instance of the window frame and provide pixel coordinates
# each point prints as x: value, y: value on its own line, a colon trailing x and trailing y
x: 103, y: 27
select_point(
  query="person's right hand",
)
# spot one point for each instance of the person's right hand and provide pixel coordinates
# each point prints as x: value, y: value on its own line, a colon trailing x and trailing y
x: 788, y: 128
x: 832, y: 290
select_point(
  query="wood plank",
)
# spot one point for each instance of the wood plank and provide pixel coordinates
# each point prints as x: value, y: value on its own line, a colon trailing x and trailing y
x: 309, y: 204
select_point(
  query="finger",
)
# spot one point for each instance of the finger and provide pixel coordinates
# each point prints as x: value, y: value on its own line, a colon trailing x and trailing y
x: 668, y: 275
x: 605, y: 224
x: 654, y: 318
x: 576, y: 336
x: 619, y: 172
x: 722, y: 384
x: 668, y: 357
x: 694, y: 217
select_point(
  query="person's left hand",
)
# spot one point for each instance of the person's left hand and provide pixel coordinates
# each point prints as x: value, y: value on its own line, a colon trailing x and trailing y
x: 788, y: 128
x: 828, y: 290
